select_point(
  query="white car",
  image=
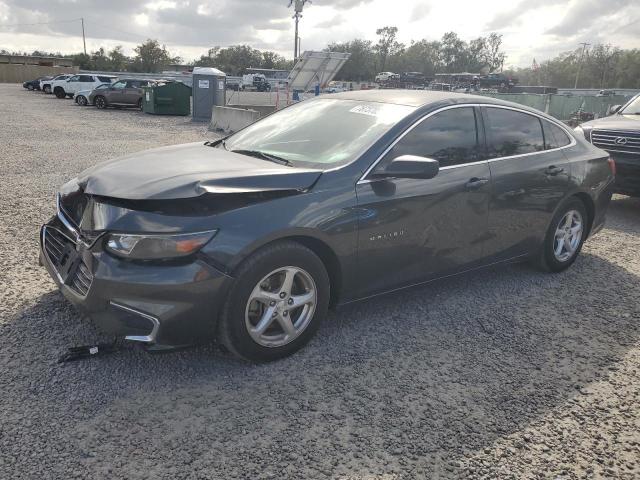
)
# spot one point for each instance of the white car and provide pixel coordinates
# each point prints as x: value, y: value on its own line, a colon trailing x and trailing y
x: 68, y: 87
x: 386, y: 76
x: 82, y: 97
x: 45, y: 85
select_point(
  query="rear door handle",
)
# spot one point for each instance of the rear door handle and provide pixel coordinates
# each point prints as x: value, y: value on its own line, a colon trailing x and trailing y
x: 476, y: 183
x: 553, y: 170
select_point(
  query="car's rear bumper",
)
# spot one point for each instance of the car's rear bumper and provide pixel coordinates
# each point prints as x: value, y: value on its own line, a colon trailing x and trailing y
x: 161, y: 305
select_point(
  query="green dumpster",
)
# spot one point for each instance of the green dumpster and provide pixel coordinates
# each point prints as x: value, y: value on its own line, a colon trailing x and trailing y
x: 173, y: 98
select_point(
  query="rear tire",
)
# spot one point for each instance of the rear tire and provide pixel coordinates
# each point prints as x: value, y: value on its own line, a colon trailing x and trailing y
x: 140, y: 104
x: 565, y: 237
x: 100, y: 102
x: 269, y: 291
x: 59, y: 92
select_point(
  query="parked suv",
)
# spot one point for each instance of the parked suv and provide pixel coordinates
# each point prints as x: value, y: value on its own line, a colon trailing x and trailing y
x: 619, y: 134
x: 66, y: 88
x: 45, y: 84
x: 125, y: 92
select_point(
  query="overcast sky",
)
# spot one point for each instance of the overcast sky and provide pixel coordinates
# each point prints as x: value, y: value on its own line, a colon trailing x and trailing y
x: 531, y: 28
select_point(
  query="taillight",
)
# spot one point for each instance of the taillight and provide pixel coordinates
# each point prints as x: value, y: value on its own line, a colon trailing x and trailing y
x: 612, y: 165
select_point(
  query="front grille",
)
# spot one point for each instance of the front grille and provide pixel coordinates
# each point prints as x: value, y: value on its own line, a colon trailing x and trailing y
x: 616, y: 140
x: 56, y: 245
x: 61, y: 252
x: 82, y: 279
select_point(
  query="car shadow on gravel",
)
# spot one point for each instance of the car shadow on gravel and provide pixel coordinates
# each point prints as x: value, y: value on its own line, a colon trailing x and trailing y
x: 407, y: 384
x: 624, y: 215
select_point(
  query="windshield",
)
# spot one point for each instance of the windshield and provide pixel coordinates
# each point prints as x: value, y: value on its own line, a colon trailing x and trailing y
x: 320, y: 133
x: 632, y: 108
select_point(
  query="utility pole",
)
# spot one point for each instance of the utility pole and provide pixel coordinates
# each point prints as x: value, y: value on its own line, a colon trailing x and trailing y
x: 84, y: 42
x: 298, y: 5
x: 584, y: 48
x: 295, y: 47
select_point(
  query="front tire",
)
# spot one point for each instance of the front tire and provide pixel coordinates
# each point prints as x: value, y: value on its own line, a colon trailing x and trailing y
x: 565, y: 237
x: 81, y: 100
x: 59, y: 91
x: 279, y: 298
x: 30, y: 88
x: 47, y: 89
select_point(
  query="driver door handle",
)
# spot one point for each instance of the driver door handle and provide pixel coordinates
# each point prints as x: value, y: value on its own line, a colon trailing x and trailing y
x: 476, y: 183
x: 553, y: 170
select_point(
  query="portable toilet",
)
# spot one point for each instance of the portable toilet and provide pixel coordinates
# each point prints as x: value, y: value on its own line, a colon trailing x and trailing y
x: 209, y: 89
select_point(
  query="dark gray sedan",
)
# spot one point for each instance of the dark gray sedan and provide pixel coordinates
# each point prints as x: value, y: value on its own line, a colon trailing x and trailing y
x: 252, y: 238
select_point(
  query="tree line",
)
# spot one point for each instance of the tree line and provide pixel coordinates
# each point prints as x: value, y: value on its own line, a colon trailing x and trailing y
x: 450, y: 54
x: 601, y: 66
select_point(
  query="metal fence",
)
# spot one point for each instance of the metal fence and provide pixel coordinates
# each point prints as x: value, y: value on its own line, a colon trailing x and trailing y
x: 563, y: 106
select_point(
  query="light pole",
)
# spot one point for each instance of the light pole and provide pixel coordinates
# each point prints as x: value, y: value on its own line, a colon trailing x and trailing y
x: 298, y: 6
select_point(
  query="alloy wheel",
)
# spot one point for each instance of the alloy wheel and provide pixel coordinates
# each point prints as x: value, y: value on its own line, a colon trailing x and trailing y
x: 568, y: 236
x: 281, y: 306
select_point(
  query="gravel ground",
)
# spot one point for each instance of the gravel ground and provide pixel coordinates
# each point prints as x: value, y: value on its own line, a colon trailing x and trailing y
x: 505, y: 373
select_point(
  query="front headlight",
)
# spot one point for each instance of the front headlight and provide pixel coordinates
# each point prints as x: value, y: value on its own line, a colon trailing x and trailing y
x: 157, y: 246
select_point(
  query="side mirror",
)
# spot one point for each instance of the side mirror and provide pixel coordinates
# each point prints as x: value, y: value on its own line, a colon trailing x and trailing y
x: 615, y: 109
x: 411, y: 166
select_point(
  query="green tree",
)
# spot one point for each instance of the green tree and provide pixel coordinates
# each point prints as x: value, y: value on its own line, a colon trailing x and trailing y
x: 387, y: 46
x: 361, y: 65
x: 151, y: 57
x: 118, y: 59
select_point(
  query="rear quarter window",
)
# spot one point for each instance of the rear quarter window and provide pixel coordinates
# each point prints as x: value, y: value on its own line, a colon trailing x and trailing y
x: 105, y: 79
x: 554, y: 136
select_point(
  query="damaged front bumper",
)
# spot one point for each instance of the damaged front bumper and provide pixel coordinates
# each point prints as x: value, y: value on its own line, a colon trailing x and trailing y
x: 163, y: 305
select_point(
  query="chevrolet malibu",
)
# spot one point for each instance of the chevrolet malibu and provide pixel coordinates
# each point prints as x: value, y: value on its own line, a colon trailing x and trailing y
x: 250, y: 239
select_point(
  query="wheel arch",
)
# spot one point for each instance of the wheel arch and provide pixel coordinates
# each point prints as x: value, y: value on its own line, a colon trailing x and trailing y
x: 319, y: 247
x: 589, y: 206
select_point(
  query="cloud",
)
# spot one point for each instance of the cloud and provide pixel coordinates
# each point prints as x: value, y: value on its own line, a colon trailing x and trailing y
x: 516, y: 13
x: 419, y: 12
x: 582, y: 15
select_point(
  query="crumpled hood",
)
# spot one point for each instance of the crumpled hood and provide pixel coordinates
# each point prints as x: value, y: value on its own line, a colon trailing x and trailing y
x: 186, y: 171
x: 615, y: 122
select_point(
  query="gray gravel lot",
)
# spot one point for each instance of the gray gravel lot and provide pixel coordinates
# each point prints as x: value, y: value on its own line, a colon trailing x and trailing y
x: 505, y: 373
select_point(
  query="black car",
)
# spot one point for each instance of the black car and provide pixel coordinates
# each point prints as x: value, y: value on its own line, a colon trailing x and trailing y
x: 34, y: 84
x: 326, y: 202
x: 619, y: 134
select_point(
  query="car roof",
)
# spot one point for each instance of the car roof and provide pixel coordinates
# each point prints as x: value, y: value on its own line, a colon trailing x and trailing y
x: 413, y: 98
x: 422, y: 98
x: 425, y: 98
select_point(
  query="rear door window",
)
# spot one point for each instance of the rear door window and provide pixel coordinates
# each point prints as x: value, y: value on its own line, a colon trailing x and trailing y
x: 105, y: 79
x: 86, y: 78
x: 451, y: 137
x: 554, y: 136
x: 511, y: 132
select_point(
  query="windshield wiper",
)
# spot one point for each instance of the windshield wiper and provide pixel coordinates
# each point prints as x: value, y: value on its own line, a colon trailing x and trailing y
x: 222, y: 141
x: 264, y: 156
